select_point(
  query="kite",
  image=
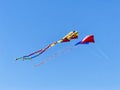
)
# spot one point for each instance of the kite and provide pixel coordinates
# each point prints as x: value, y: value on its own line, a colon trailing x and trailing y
x: 67, y: 38
x: 88, y: 39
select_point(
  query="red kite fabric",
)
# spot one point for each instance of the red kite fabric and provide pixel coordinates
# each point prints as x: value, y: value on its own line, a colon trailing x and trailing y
x: 88, y: 39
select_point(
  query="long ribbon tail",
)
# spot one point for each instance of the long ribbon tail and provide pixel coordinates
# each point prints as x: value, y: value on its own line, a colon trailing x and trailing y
x: 43, y: 50
x: 33, y: 53
x: 19, y: 58
x: 63, y: 51
x: 58, y: 53
x: 30, y: 56
x: 24, y: 58
x: 37, y: 53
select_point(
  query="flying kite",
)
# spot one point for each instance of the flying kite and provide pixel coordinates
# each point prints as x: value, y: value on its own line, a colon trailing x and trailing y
x: 88, y: 39
x: 67, y: 38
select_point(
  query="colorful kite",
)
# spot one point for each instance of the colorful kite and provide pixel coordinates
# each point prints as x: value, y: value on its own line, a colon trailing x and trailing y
x: 88, y: 39
x: 67, y: 38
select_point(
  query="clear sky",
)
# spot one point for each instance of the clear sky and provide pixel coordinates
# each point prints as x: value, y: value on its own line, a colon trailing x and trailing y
x: 29, y: 25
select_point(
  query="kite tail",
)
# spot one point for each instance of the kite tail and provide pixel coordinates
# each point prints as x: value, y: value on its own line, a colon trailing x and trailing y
x: 43, y: 50
x: 63, y: 51
x: 36, y: 53
x: 33, y: 53
x: 70, y: 48
x: 19, y: 58
x: 23, y: 58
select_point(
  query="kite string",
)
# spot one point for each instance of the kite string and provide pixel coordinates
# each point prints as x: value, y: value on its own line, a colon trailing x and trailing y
x: 102, y: 53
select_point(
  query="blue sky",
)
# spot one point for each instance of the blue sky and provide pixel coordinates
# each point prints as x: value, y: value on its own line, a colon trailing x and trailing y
x: 29, y: 25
